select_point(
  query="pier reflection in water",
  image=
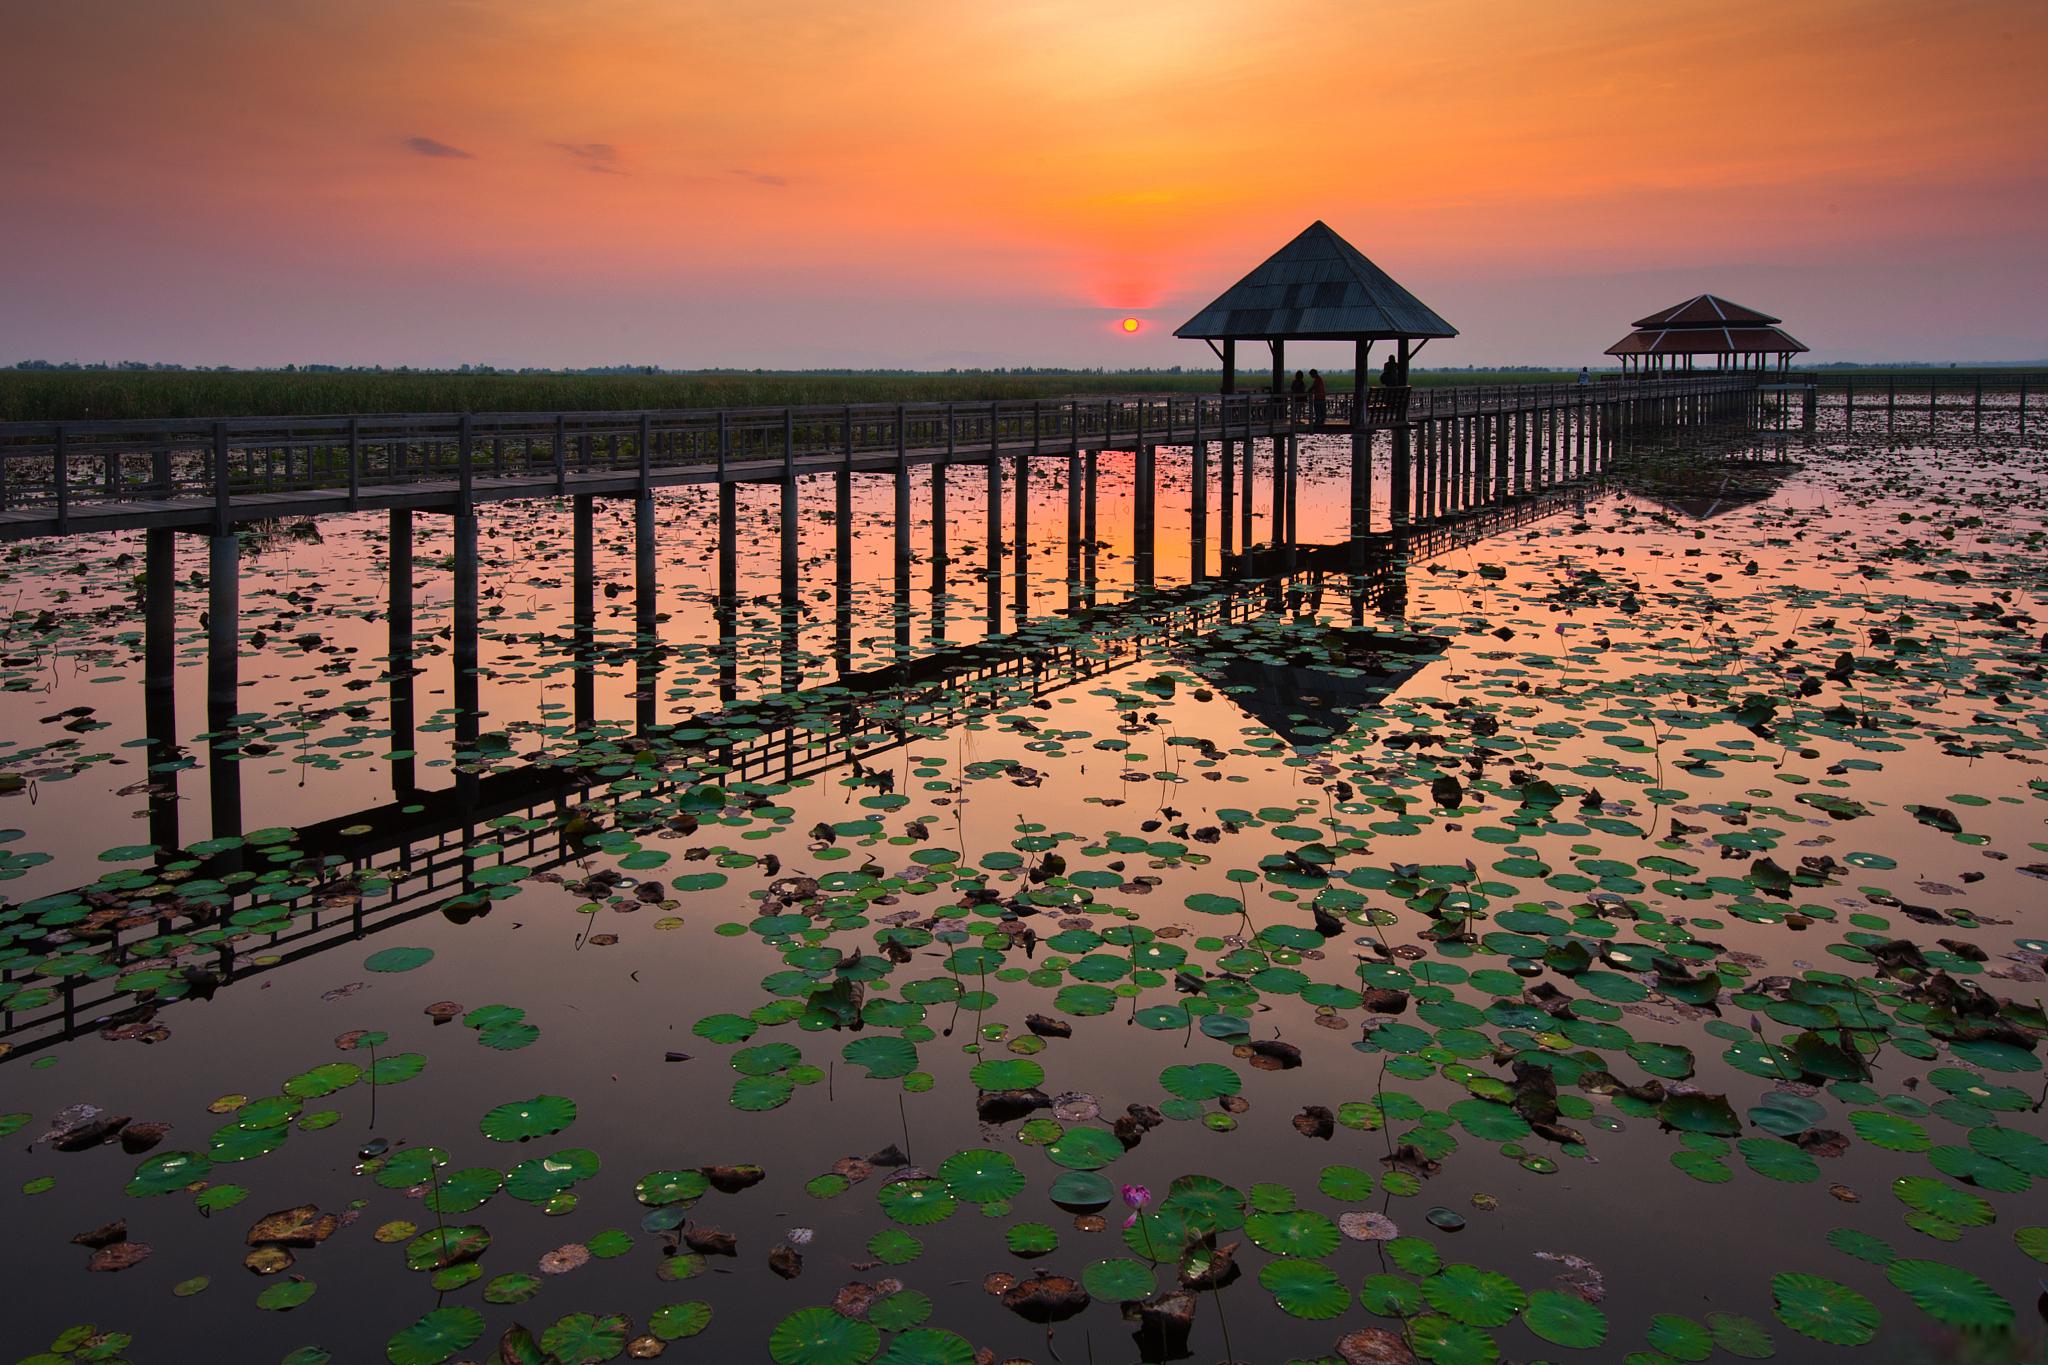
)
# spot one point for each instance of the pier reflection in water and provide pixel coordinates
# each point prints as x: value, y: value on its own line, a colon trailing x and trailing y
x: 826, y: 667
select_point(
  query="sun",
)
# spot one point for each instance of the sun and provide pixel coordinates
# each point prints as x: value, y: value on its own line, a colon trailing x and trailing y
x: 1129, y: 324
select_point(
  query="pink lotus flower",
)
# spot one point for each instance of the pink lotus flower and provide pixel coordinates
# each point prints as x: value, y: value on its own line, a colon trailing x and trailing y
x: 1137, y: 1197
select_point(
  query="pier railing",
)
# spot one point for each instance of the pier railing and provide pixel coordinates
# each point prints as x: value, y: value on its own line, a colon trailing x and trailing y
x: 61, y: 466
x: 52, y: 469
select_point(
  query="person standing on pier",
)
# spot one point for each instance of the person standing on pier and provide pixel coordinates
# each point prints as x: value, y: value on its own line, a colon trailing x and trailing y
x: 1390, y: 373
x: 1318, y: 396
x: 1584, y: 378
x: 1298, y: 388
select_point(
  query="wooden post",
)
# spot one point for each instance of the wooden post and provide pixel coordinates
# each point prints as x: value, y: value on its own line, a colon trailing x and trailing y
x: 1279, y: 491
x: 902, y: 492
x: 842, y: 538
x: 221, y: 516
x: 223, y: 666
x: 60, y: 469
x: 1088, y: 464
x: 355, y: 463
x: 1074, y: 515
x: 583, y: 600
x: 1401, y: 476
x: 1020, y: 503
x: 791, y: 520
x: 993, y: 551
x: 1142, y: 491
x: 1504, y: 454
x: 1251, y: 459
x: 940, y: 530
x: 1198, y: 501
x: 1293, y: 500
x: 646, y: 599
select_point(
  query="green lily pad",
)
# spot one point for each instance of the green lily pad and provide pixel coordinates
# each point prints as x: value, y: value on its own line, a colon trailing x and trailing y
x: 1305, y: 1289
x: 436, y: 1337
x: 522, y: 1120
x: 1823, y: 1309
x: 1564, y: 1319
x: 1951, y: 1295
x: 819, y: 1336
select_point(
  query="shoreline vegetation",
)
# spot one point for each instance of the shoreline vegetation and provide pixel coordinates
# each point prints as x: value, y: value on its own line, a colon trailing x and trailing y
x: 114, y: 394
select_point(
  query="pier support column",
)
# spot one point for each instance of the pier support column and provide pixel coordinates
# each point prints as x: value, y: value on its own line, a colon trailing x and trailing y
x: 941, y: 551
x: 842, y: 566
x: 1293, y: 448
x: 727, y: 611
x: 1198, y: 510
x: 1226, y: 512
x: 1246, y: 512
x: 993, y: 559
x: 1432, y: 471
x: 465, y: 685
x: 1361, y: 493
x: 1142, y: 495
x: 223, y: 682
x: 1401, y: 482
x: 791, y: 594
x: 900, y: 487
x: 1521, y: 468
x: 159, y: 688
x: 1088, y: 498
x: 583, y: 605
x: 1020, y: 516
x: 1073, y: 519
x: 399, y: 653
x: 1279, y: 535
x: 646, y: 600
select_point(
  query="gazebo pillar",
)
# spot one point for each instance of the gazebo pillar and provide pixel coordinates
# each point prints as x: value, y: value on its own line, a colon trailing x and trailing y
x: 1398, y: 495
x: 1361, y: 454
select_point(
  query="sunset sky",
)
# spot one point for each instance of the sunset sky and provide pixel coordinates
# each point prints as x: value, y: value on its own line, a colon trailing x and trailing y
x: 576, y: 182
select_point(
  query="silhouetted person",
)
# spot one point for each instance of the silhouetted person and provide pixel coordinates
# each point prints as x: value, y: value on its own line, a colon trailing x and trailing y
x: 1318, y: 395
x: 1584, y: 378
x: 1390, y: 373
x: 1298, y: 388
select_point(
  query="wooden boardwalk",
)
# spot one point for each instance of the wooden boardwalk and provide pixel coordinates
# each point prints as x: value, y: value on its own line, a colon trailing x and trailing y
x: 75, y: 478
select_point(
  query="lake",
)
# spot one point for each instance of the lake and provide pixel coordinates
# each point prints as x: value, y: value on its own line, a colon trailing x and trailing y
x: 1615, y: 933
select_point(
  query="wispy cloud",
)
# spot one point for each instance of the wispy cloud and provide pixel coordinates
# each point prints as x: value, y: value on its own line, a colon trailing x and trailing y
x: 430, y: 146
x: 601, y: 157
x: 763, y: 178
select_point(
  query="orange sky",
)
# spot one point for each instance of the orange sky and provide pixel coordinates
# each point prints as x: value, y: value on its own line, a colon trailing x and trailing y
x: 589, y: 181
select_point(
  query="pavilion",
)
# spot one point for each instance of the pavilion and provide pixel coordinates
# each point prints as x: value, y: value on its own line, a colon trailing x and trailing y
x: 1318, y: 287
x: 1705, y: 325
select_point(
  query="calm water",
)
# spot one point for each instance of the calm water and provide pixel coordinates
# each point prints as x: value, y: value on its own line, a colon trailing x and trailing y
x: 1649, y: 917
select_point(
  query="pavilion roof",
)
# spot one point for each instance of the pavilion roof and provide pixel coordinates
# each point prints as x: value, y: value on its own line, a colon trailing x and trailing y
x: 1706, y: 310
x: 1318, y: 287
x: 1722, y: 340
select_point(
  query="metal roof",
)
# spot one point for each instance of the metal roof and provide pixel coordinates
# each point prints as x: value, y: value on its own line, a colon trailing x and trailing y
x: 1317, y: 287
x: 1707, y: 341
x: 1706, y: 310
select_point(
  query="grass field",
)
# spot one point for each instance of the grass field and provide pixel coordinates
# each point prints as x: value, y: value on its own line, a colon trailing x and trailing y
x: 79, y: 395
